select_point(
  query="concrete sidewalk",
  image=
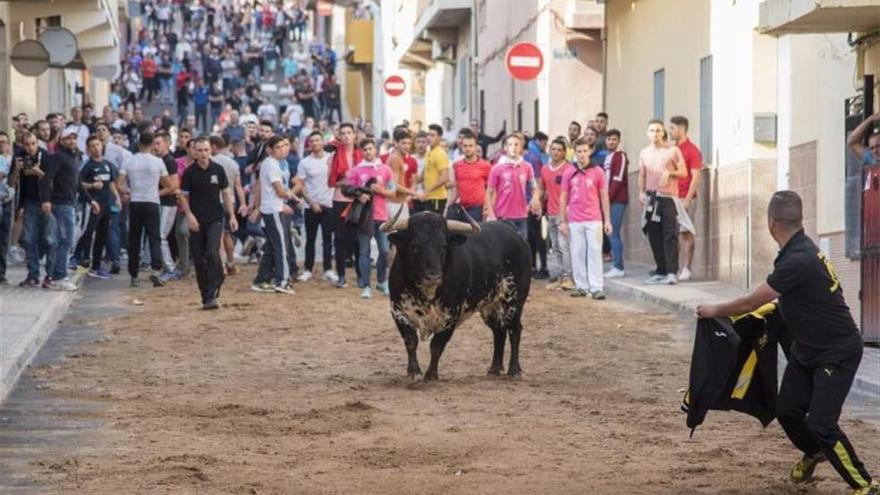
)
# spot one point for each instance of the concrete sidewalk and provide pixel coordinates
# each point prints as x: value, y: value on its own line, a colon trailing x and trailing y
x: 27, y: 318
x: 684, y: 297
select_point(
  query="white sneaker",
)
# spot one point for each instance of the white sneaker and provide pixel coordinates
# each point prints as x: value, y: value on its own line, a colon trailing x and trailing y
x: 656, y: 279
x: 66, y: 285
x: 615, y: 273
x: 305, y: 277
x: 685, y: 275
x: 331, y: 276
x: 669, y: 280
x: 366, y: 293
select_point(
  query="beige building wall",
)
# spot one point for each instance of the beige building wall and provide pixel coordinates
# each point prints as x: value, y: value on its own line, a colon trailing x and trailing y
x: 568, y: 88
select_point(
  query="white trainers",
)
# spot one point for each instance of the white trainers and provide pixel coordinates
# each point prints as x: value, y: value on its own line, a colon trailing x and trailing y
x: 66, y: 285
x: 331, y: 276
x: 684, y: 275
x: 615, y: 273
x: 669, y: 280
x: 656, y: 279
x: 366, y: 293
x: 305, y: 277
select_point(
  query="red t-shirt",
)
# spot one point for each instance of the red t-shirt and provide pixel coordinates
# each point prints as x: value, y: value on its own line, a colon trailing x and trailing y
x: 470, y: 180
x: 693, y: 159
x: 553, y: 185
x: 149, y: 69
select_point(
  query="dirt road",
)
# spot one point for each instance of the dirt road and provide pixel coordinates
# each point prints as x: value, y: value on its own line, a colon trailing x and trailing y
x: 307, y: 394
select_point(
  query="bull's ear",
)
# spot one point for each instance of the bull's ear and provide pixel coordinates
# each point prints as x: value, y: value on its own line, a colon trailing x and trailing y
x: 455, y: 239
x: 399, y: 238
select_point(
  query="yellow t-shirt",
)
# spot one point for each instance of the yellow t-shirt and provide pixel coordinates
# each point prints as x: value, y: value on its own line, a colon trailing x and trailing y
x: 435, y: 162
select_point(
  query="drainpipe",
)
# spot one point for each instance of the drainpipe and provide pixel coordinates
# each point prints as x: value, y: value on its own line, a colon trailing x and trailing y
x: 473, y: 108
x: 604, y: 36
x: 378, y: 69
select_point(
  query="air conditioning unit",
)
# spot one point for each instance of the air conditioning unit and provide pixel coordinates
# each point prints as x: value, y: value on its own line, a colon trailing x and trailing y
x: 441, y: 52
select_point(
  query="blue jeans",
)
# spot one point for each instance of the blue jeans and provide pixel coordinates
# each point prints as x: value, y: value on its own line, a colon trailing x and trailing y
x: 114, y: 237
x: 38, y: 239
x: 65, y: 229
x: 364, y: 256
x: 617, y: 211
x: 521, y: 225
x: 5, y: 233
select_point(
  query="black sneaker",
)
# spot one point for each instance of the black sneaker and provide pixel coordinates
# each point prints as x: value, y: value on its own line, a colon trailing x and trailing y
x: 30, y: 283
x: 541, y: 275
x: 135, y: 283
x: 579, y: 293
x: 157, y: 280
x: 3, y: 281
x: 114, y: 269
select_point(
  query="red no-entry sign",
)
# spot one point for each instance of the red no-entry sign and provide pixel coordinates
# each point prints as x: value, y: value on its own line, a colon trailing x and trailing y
x: 524, y: 61
x: 394, y: 86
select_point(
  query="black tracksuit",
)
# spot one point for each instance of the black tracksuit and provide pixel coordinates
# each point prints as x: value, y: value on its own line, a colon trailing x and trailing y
x: 98, y: 223
x: 662, y: 231
x: 825, y: 356
x: 203, y: 188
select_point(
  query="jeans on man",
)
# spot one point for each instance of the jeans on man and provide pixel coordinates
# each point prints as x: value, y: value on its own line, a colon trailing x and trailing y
x: 181, y: 235
x: 364, y: 245
x: 313, y: 220
x: 5, y: 234
x: 114, y: 236
x: 37, y: 239
x: 617, y: 212
x: 65, y: 229
x: 559, y: 251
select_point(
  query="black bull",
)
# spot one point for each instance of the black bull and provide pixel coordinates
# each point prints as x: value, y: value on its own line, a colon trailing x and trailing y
x: 444, y: 271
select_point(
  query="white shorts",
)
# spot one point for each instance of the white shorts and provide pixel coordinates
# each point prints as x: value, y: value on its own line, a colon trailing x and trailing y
x: 393, y: 208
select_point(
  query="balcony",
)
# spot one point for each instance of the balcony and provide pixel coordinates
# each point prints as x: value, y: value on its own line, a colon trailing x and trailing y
x: 584, y: 15
x: 780, y: 17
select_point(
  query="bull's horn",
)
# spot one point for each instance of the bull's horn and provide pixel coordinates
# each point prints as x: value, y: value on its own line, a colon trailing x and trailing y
x: 461, y: 227
x: 395, y: 223
x: 471, y: 220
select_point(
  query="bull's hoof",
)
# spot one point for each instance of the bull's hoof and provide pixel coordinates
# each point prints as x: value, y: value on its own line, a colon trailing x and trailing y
x: 431, y: 376
x: 413, y: 371
x: 495, y: 371
x: 514, y: 372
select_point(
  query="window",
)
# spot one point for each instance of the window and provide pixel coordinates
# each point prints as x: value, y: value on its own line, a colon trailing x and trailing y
x: 659, y: 92
x: 706, y: 108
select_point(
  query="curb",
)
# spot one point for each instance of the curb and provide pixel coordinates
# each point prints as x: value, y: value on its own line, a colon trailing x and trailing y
x: 24, y: 351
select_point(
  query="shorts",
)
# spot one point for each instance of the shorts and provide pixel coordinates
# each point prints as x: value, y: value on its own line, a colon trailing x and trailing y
x: 393, y: 208
x: 685, y: 216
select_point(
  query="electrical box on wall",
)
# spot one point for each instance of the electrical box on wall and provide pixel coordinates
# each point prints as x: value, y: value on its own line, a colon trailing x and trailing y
x: 765, y: 128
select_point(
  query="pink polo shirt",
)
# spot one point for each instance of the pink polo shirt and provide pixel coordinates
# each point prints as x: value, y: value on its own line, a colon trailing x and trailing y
x: 510, y: 180
x: 358, y: 176
x: 584, y: 188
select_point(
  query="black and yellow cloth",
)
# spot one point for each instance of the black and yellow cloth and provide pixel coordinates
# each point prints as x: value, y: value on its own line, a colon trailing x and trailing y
x: 733, y: 366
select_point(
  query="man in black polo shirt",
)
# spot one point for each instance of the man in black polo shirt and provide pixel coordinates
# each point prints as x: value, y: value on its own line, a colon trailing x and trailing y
x: 826, y: 351
x: 202, y: 185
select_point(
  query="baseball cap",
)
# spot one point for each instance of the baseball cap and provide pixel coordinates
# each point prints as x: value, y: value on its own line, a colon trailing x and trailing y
x: 68, y: 131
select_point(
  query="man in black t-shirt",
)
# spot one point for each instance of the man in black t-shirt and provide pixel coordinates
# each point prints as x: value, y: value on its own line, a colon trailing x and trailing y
x: 97, y: 183
x: 201, y: 187
x: 826, y: 348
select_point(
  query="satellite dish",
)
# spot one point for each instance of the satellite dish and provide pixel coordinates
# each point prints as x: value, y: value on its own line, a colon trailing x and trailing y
x: 30, y: 58
x: 61, y: 45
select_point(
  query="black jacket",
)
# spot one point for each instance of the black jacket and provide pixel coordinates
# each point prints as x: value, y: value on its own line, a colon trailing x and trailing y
x: 733, y: 366
x: 63, y: 178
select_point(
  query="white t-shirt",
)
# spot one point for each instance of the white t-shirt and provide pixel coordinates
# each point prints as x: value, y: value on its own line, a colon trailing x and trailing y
x: 143, y: 171
x: 314, y: 171
x: 230, y: 166
x: 270, y: 172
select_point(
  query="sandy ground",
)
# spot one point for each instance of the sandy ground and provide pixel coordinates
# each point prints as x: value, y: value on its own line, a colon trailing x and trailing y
x: 307, y: 394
